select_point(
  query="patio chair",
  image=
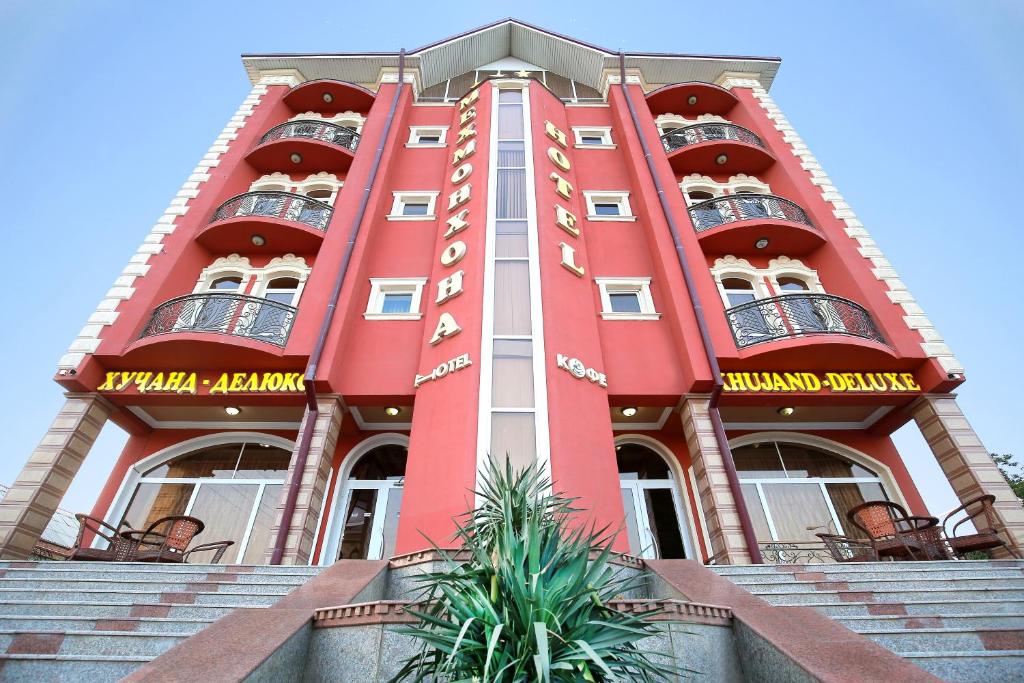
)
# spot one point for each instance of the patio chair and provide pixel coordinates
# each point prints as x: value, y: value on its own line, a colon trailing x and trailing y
x: 888, y: 529
x: 219, y: 546
x: 984, y: 538
x: 167, y: 539
x: 845, y: 549
x: 118, y: 548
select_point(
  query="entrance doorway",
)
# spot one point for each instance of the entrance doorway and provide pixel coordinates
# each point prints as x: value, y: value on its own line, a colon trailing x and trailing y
x: 651, y: 501
x: 372, y: 502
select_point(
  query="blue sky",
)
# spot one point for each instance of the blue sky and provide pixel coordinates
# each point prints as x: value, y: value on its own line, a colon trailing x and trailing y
x: 914, y: 108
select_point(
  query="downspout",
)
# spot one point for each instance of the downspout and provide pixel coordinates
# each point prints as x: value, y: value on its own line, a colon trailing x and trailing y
x: 698, y: 311
x: 302, y: 455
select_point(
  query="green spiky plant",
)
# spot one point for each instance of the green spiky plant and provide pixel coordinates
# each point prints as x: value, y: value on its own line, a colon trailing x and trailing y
x: 530, y: 603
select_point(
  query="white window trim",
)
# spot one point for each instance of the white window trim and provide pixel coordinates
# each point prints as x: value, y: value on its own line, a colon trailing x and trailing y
x: 638, y: 285
x: 667, y: 122
x: 402, y: 197
x: 695, y: 181
x: 416, y: 131
x: 379, y: 286
x: 348, y: 119
x: 605, y: 133
x: 620, y: 197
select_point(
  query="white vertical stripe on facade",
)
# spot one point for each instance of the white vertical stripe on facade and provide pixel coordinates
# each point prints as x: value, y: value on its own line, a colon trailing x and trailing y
x: 88, y: 339
x: 931, y: 341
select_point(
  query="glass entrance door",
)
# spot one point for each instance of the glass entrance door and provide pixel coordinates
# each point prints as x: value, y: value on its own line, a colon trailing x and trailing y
x: 371, y: 520
x: 653, y: 523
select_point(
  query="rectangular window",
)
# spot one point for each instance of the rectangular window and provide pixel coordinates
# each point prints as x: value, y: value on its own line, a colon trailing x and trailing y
x: 427, y: 136
x: 510, y: 240
x: 395, y: 298
x: 512, y: 297
x: 626, y: 298
x: 413, y: 206
x: 596, y: 137
x: 608, y: 206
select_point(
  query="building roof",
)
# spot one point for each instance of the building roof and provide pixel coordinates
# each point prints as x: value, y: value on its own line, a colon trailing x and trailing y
x: 569, y: 57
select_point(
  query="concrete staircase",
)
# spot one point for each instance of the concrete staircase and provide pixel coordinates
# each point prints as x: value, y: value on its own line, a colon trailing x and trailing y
x: 92, y: 621
x: 961, y: 621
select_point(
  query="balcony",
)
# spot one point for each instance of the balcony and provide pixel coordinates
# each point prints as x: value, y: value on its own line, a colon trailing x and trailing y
x: 738, y: 223
x: 690, y: 99
x: 326, y: 95
x: 799, y: 315
x: 716, y: 148
x: 305, y: 145
x: 237, y: 315
x: 288, y: 222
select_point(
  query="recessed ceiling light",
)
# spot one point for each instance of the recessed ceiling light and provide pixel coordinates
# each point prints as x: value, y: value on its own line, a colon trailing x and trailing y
x: 296, y: 158
x: 264, y: 445
x: 786, y: 411
x: 761, y: 243
x: 628, y: 412
x: 232, y: 410
x: 391, y: 411
x: 328, y: 97
x: 259, y: 240
x: 721, y: 159
x: 691, y: 100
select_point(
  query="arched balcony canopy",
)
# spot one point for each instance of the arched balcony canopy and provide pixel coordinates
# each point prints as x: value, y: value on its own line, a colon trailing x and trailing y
x: 716, y: 148
x: 327, y: 95
x: 690, y: 98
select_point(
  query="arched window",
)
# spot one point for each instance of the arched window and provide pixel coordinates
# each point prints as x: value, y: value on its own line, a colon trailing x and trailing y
x: 792, y: 284
x: 233, y: 488
x: 738, y: 290
x: 372, y: 501
x: 231, y: 283
x: 794, y: 491
x: 651, y: 502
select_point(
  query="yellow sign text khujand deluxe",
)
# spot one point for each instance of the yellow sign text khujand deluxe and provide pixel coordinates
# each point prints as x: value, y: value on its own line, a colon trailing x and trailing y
x: 810, y: 382
x: 192, y: 383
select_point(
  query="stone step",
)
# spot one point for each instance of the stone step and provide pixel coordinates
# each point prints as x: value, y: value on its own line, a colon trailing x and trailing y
x: 945, y: 639
x: 117, y: 643
x: 163, y: 567
x: 971, y: 666
x: 187, y: 597
x: 40, y: 622
x: 953, y: 565
x: 973, y: 621
x: 67, y: 669
x: 74, y: 586
x: 922, y: 608
x: 119, y: 610
x: 813, y: 574
x: 897, y: 583
x: 134, y: 575
x: 785, y: 596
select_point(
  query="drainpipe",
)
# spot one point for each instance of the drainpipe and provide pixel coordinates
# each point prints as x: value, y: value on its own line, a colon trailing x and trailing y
x: 332, y: 306
x: 705, y: 337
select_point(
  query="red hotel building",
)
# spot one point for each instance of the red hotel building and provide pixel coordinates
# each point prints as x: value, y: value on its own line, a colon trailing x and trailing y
x: 628, y: 268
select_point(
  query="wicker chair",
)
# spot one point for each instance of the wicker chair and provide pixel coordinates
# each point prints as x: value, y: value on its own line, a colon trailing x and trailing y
x: 844, y: 549
x: 984, y: 538
x: 218, y: 546
x: 890, y: 532
x: 118, y: 548
x: 167, y: 539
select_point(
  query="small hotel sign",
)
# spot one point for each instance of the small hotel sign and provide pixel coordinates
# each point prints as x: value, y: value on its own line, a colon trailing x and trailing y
x: 184, y: 382
x: 826, y: 382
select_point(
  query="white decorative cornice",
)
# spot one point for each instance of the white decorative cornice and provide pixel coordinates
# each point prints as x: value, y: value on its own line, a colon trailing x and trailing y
x: 288, y: 260
x: 736, y: 79
x: 289, y: 77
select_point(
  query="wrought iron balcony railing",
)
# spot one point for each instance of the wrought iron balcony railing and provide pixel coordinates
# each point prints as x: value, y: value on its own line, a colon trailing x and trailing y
x: 795, y: 315
x: 222, y: 313
x: 744, y: 207
x: 284, y: 205
x: 796, y: 552
x: 708, y: 132
x: 314, y: 130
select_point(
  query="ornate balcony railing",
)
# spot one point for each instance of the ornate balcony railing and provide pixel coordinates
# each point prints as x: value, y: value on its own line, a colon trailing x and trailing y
x: 235, y: 314
x: 744, y: 207
x: 284, y: 205
x: 795, y: 315
x: 314, y: 130
x: 708, y: 132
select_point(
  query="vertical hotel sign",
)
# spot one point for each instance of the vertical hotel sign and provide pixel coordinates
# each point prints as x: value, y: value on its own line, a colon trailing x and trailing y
x: 454, y: 251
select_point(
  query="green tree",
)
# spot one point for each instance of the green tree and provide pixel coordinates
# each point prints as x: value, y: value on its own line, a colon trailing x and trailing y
x: 531, y: 603
x: 1011, y: 469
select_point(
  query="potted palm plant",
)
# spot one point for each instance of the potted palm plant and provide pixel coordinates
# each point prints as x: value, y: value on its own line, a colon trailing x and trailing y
x: 531, y: 601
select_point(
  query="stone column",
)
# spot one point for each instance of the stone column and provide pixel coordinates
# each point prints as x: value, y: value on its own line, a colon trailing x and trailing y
x: 38, y: 490
x: 313, y: 487
x: 720, y: 515
x: 966, y: 462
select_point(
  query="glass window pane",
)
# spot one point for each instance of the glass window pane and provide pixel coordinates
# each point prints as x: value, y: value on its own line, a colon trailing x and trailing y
x: 383, y: 462
x: 591, y: 140
x: 511, y: 193
x: 263, y: 462
x: 606, y: 209
x: 511, y: 297
x: 756, y: 511
x: 511, y: 246
x: 355, y: 541
x: 512, y: 384
x: 758, y: 461
x: 396, y: 302
x: 624, y: 302
x: 225, y: 510
x: 510, y: 96
x: 661, y: 515
x: 795, y: 507
x: 393, y: 509
x: 632, y: 529
x: 229, y: 284
x: 414, y: 209
x: 510, y: 122
x: 845, y: 496
x: 513, y: 434
x: 511, y: 155
x: 217, y: 462
x: 153, y: 501
x: 803, y: 462
x: 259, y: 539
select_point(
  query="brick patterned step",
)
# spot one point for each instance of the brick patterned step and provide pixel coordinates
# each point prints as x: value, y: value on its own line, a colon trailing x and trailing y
x: 868, y: 622
x: 1003, y: 666
x: 40, y: 622
x: 178, y: 597
x: 115, y: 610
x: 110, y: 643
x: 946, y: 607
